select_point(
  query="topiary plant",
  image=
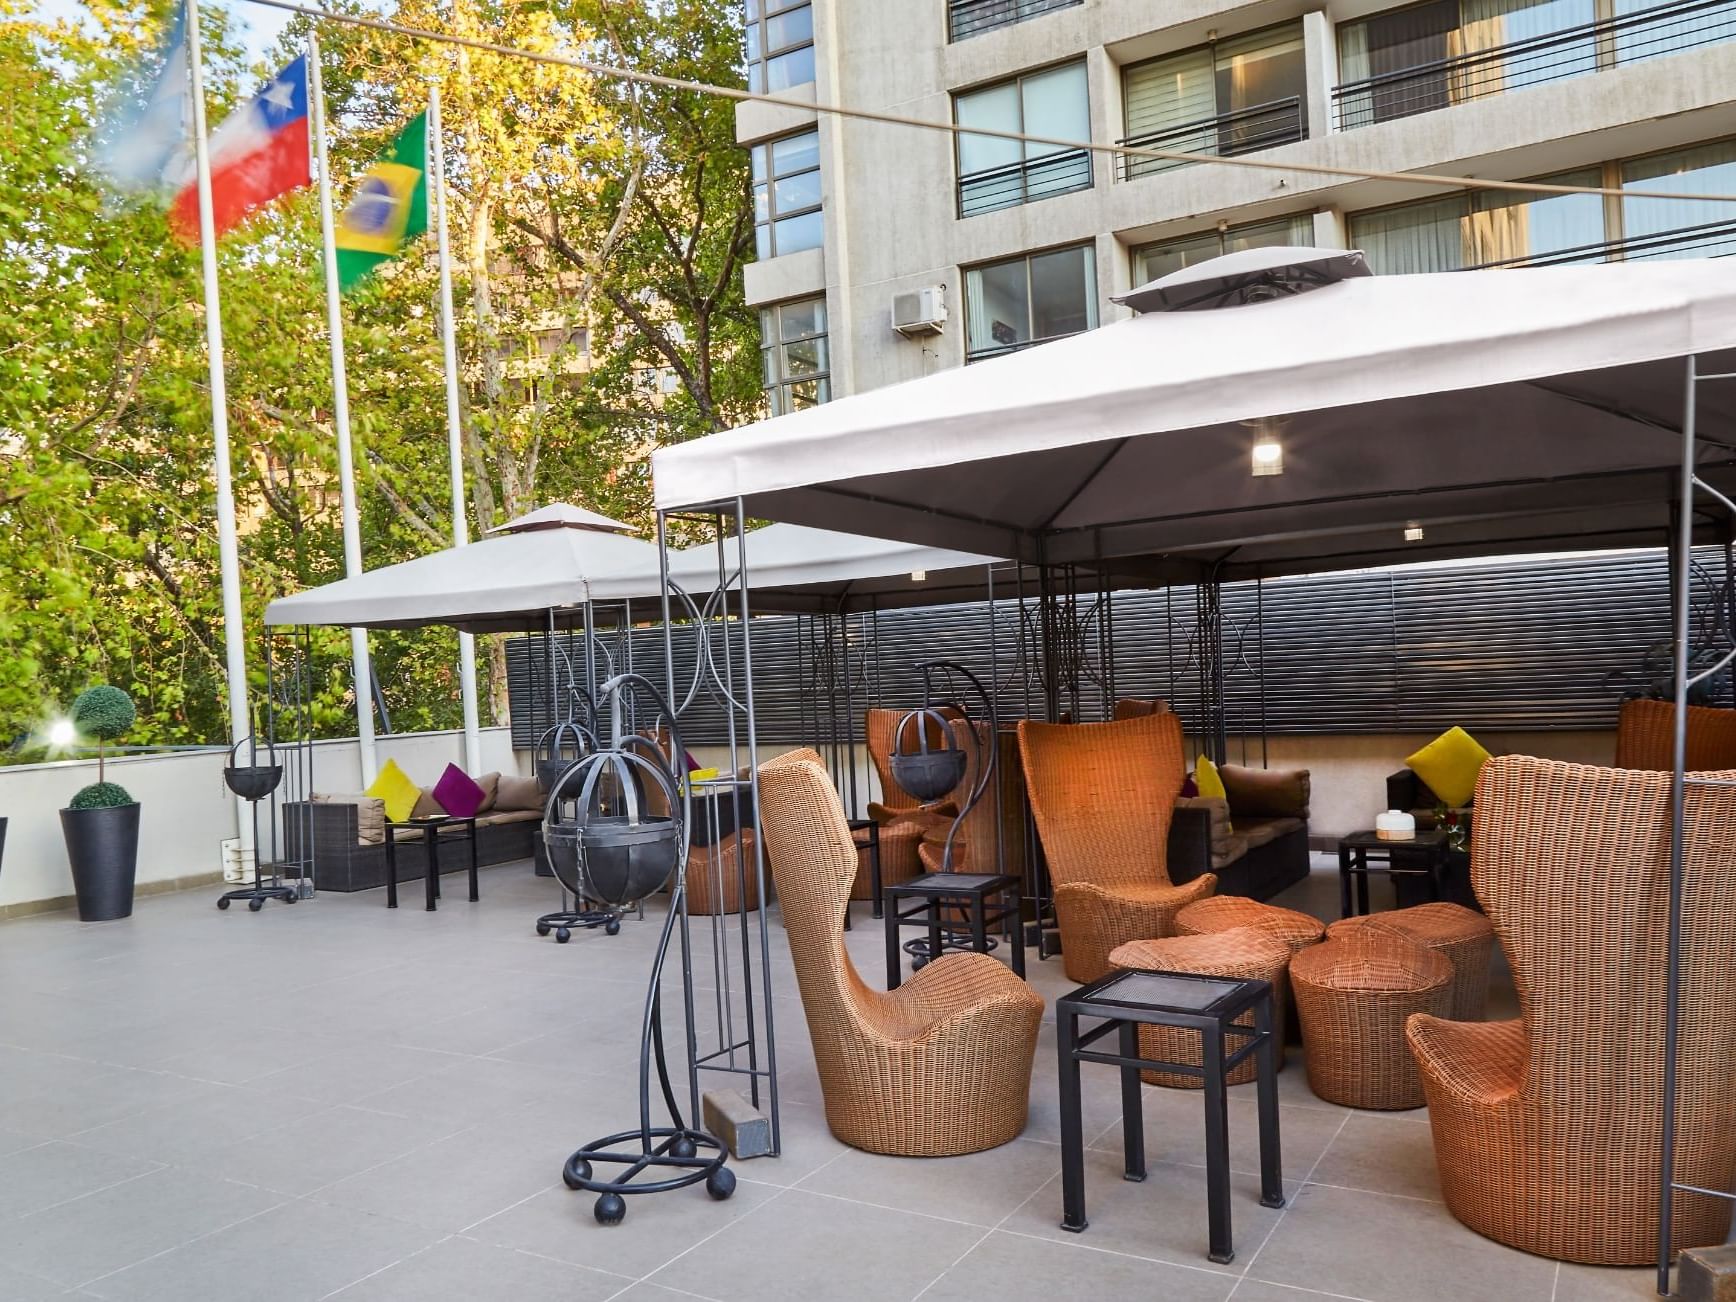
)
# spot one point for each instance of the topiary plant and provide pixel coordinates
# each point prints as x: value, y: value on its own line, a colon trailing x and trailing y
x: 104, y: 712
x: 100, y: 795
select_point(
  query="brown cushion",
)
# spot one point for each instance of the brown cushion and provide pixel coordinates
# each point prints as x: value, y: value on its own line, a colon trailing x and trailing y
x: 1268, y: 793
x: 1227, y: 851
x: 370, y: 814
x: 1263, y: 831
x: 427, y: 806
x: 490, y: 784
x: 514, y: 792
x: 500, y: 816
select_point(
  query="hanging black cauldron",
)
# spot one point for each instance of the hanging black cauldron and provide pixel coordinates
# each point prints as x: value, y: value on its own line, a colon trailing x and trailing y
x: 558, y: 749
x: 928, y: 773
x: 609, y: 825
x: 253, y: 781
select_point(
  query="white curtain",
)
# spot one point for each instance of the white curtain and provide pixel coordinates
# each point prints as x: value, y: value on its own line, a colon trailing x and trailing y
x: 1418, y: 237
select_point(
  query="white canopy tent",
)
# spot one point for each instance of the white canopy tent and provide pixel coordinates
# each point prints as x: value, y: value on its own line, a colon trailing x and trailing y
x: 1495, y: 411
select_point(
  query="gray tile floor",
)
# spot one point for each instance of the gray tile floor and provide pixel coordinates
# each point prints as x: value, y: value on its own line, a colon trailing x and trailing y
x: 327, y: 1100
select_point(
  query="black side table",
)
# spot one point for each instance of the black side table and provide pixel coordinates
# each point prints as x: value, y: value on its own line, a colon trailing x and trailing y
x: 1210, y: 1005
x: 971, y: 892
x: 872, y: 827
x: 433, y: 832
x: 1424, y: 855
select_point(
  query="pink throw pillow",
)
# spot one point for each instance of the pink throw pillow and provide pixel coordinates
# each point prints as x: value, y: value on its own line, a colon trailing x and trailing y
x: 458, y: 793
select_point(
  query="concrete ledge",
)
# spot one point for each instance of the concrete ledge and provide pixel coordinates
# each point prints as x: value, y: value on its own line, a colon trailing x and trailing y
x: 1706, y: 1274
x: 191, y: 882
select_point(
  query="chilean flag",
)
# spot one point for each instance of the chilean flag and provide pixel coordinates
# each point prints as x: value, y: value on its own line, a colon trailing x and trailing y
x: 257, y: 154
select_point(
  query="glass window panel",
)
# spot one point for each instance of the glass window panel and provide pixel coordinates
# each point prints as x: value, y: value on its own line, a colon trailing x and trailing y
x: 758, y: 154
x: 786, y: 70
x: 756, y: 78
x: 1502, y: 228
x: 809, y: 393
x: 808, y: 357
x: 762, y: 241
x: 762, y: 209
x: 801, y: 191
x: 1173, y: 255
x: 996, y: 107
x: 1707, y: 169
x: 753, y: 9
x: 998, y: 307
x: 1166, y: 92
x: 1671, y: 30
x: 1063, y: 295
x: 753, y: 42
x: 768, y: 368
x: 795, y: 153
x: 1056, y: 104
x: 791, y: 28
x: 1155, y: 260
x: 793, y: 234
x: 807, y: 317
x: 1420, y: 237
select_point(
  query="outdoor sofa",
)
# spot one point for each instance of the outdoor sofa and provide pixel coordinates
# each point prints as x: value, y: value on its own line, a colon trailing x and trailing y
x: 1256, y: 840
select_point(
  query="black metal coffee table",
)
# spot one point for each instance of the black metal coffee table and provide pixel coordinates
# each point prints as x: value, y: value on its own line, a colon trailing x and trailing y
x: 970, y: 892
x: 434, y: 831
x: 1425, y: 855
x: 1210, y: 1005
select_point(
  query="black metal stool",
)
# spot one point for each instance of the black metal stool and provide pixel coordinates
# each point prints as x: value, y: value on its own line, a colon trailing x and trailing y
x: 932, y: 892
x: 872, y: 845
x: 1210, y: 1005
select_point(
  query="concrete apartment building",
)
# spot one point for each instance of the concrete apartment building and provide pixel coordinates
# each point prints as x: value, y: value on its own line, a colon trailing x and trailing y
x: 1028, y: 243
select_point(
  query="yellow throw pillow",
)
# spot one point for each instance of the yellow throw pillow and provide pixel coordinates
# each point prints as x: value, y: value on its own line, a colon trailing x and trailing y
x: 395, y: 788
x: 1211, y: 783
x: 1450, y: 764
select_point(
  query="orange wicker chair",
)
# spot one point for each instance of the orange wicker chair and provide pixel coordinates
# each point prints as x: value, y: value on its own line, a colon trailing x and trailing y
x: 940, y: 1066
x: 1645, y: 737
x: 904, y: 820
x: 1103, y: 795
x: 1547, y: 1128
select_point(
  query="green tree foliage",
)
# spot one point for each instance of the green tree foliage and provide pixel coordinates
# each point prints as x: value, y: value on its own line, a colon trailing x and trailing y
x: 598, y: 232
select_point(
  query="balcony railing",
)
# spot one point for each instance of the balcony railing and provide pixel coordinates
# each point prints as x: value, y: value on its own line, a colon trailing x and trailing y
x: 1708, y: 240
x: 1571, y: 52
x: 1241, y: 131
x: 1024, y: 182
x: 972, y: 17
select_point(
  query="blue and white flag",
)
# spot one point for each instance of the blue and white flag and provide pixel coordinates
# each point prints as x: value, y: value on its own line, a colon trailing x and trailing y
x: 140, y: 146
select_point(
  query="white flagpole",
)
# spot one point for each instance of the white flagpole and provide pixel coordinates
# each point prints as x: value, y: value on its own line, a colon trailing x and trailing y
x: 454, y: 426
x: 341, y: 414
x: 234, y: 632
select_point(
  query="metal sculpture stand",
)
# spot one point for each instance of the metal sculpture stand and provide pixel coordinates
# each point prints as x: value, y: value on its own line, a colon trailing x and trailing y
x: 921, y: 951
x: 276, y: 874
x: 552, y: 767
x: 631, y: 859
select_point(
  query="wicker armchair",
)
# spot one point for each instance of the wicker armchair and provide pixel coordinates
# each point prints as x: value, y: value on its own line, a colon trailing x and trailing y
x: 1547, y: 1129
x: 1645, y: 737
x: 940, y: 1066
x: 1103, y: 795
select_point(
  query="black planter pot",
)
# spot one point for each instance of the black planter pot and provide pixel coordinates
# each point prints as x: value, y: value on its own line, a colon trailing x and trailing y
x: 103, y: 847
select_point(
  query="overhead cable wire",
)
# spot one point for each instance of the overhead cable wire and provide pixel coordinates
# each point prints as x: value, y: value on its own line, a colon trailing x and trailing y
x: 1136, y: 152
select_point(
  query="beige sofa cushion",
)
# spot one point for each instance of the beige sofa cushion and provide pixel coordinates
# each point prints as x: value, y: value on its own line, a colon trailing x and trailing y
x: 427, y: 806
x: 490, y: 784
x: 370, y: 814
x: 1266, y: 793
x: 1263, y: 831
x: 500, y: 816
x: 514, y: 792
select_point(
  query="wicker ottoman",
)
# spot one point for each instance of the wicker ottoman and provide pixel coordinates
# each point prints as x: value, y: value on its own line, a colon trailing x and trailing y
x: 715, y: 877
x: 1240, y: 953
x: 1464, y: 936
x: 1223, y: 912
x: 1354, y: 997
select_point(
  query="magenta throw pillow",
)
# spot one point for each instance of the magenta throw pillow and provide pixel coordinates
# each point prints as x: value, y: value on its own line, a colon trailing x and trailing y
x: 458, y: 793
x: 1189, y: 788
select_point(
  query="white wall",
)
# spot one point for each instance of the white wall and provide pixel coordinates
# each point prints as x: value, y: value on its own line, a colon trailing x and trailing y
x: 187, y: 812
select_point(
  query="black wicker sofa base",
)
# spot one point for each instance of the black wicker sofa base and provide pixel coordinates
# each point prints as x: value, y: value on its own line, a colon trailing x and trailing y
x: 343, y: 863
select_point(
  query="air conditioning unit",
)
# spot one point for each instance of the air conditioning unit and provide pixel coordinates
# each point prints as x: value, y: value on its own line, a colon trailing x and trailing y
x: 920, y: 312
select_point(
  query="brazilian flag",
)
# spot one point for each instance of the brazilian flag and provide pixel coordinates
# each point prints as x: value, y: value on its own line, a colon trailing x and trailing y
x: 388, y: 209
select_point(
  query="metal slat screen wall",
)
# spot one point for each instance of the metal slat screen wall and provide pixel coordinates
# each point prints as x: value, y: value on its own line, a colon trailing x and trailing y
x: 1503, y: 646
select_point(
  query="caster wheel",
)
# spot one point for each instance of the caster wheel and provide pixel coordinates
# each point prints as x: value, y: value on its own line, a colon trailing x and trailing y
x: 562, y: 935
x: 917, y: 964
x: 683, y: 1147
x: 611, y: 1209
x: 254, y: 906
x: 720, y: 1184
x: 542, y: 928
x: 291, y: 898
x: 611, y: 929
x: 223, y: 904
x: 576, y: 1173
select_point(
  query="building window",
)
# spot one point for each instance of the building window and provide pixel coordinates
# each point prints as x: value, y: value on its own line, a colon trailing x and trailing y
x: 997, y: 173
x: 1680, y: 228
x: 1151, y: 261
x: 1029, y: 300
x: 796, y: 362
x: 786, y: 195
x: 970, y: 17
x: 780, y: 44
x: 1484, y: 228
x: 1230, y: 97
